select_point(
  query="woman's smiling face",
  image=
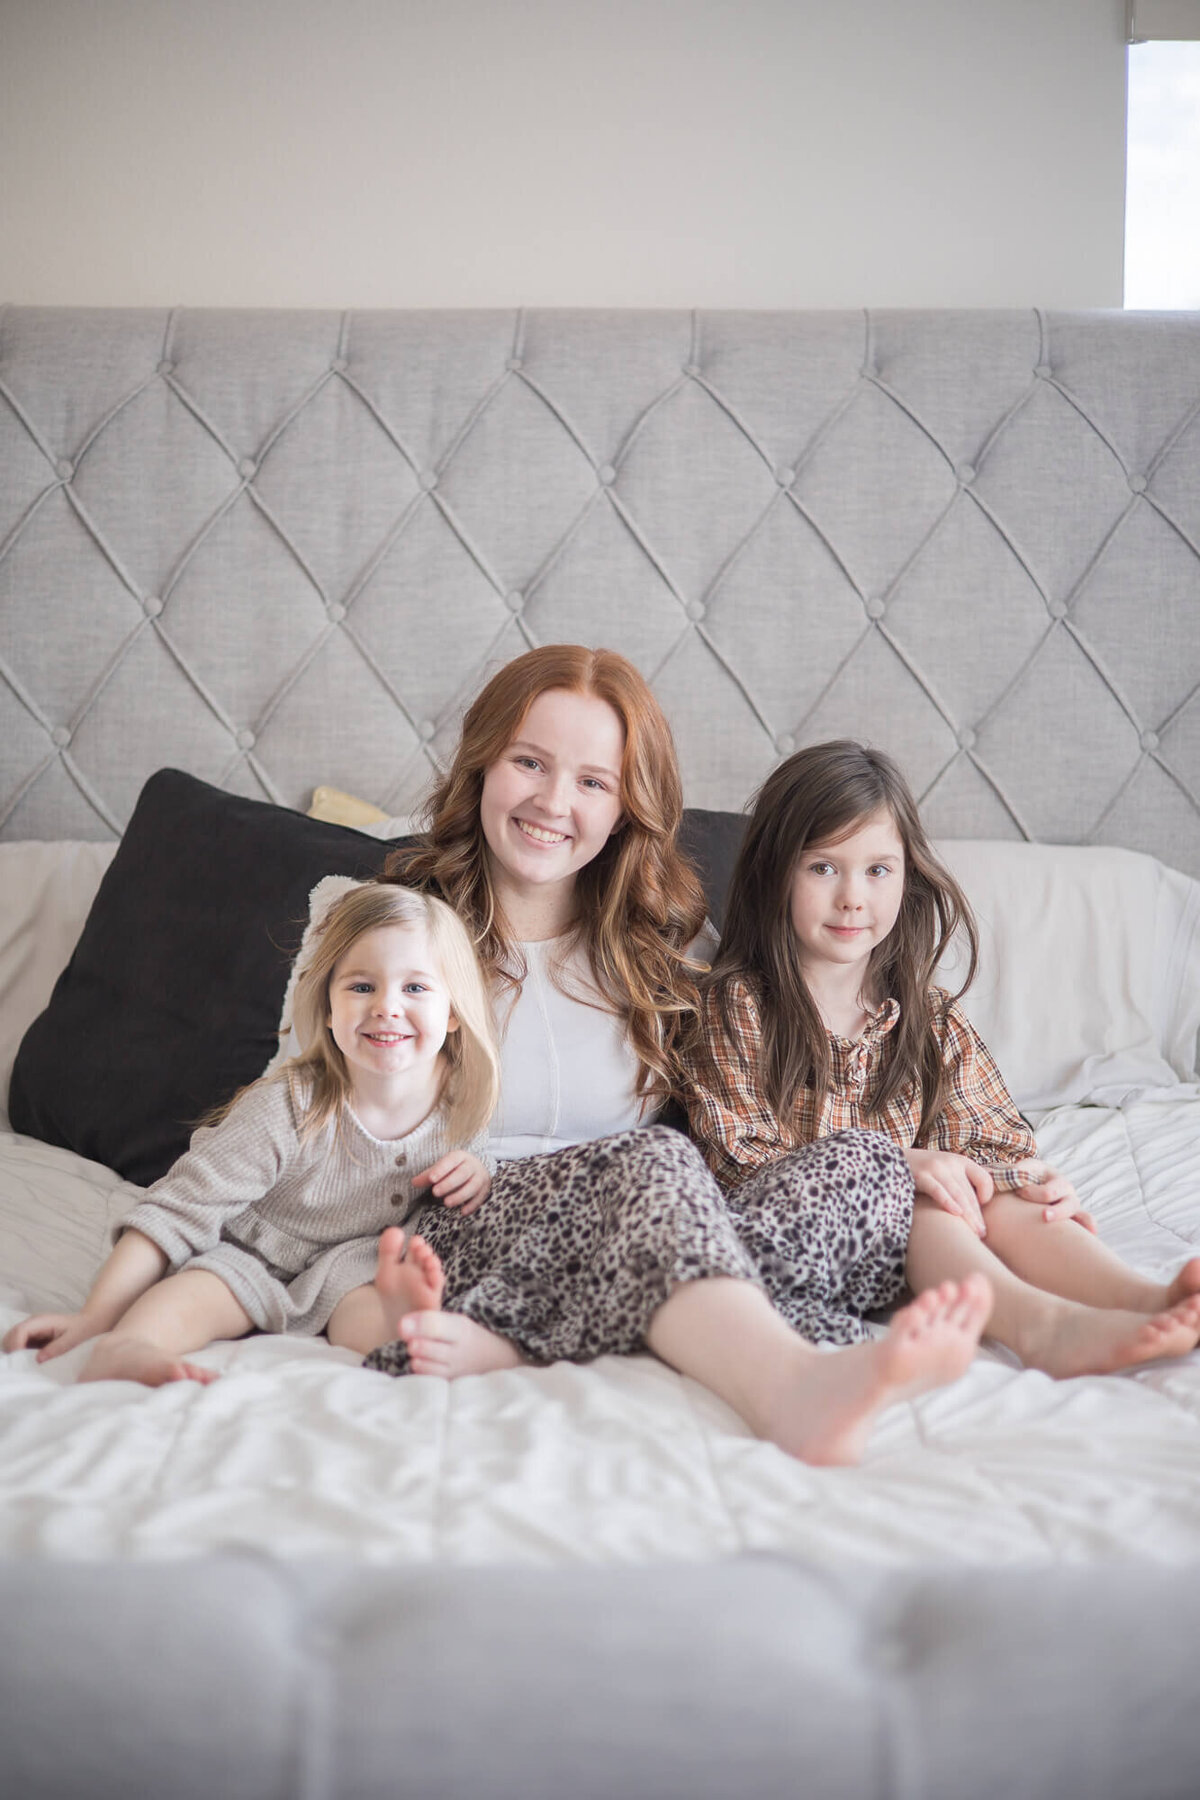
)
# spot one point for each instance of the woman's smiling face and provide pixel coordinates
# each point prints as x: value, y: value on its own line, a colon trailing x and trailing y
x: 552, y: 799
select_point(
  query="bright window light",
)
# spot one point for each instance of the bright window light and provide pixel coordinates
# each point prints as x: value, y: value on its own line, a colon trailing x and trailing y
x: 1162, y: 188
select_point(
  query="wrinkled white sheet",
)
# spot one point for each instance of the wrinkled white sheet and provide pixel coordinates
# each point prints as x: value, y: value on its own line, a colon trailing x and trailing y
x: 299, y: 1452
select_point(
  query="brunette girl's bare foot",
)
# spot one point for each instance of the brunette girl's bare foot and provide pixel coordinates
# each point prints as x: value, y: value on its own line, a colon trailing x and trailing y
x: 1083, y: 1340
x: 133, y: 1359
x: 824, y: 1412
x: 407, y: 1278
x: 445, y: 1343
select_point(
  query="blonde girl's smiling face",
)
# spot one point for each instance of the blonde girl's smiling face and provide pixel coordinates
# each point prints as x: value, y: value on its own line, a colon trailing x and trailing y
x: 389, y: 1008
x: 552, y: 799
x: 845, y: 897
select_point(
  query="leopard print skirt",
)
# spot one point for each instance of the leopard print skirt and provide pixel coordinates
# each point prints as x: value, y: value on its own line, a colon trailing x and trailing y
x: 572, y: 1253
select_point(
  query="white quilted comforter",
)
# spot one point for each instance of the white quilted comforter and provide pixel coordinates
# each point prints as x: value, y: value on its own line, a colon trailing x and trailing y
x: 299, y: 1452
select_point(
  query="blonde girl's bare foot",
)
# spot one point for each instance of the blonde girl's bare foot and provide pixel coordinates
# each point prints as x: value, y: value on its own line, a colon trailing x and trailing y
x: 133, y: 1359
x: 447, y: 1344
x: 1084, y: 1340
x: 825, y: 1412
x: 1186, y: 1283
x: 407, y: 1278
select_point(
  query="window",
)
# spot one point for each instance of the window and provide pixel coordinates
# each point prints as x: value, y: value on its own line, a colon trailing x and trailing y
x: 1162, y: 186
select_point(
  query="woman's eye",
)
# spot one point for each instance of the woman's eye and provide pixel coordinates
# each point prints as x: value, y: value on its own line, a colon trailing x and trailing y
x: 589, y: 781
x: 527, y: 762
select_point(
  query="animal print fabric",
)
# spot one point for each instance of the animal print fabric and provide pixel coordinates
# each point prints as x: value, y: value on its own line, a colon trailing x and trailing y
x: 572, y: 1254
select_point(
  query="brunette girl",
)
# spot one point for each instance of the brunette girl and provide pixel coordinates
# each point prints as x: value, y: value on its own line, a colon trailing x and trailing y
x: 821, y: 1014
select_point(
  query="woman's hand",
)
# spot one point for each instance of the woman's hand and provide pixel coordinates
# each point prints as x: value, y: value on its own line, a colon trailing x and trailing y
x: 954, y: 1183
x: 457, y: 1179
x: 56, y: 1333
x: 1052, y: 1192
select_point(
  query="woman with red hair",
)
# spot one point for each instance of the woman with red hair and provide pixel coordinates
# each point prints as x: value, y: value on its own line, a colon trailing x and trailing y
x: 554, y: 834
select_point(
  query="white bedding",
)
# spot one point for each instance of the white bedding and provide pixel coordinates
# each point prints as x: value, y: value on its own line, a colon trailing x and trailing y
x: 298, y: 1452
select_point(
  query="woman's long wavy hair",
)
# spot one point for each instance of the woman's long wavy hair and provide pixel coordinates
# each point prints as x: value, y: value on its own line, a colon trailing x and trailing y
x: 819, y: 796
x: 639, y: 903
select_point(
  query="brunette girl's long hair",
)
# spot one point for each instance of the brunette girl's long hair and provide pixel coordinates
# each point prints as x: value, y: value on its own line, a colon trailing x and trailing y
x: 819, y: 796
x: 639, y: 902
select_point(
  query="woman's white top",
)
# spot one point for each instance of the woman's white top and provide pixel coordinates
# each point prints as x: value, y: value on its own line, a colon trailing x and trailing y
x: 567, y: 1070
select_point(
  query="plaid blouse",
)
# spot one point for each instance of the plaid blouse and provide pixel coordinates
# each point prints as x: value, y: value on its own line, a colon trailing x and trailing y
x: 738, y: 1132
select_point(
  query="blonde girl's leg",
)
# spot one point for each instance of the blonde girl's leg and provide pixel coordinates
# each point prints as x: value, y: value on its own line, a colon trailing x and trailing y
x: 1059, y: 1336
x: 150, y: 1342
x: 1064, y: 1258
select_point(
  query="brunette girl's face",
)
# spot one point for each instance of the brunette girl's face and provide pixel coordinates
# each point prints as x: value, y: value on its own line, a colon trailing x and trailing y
x: 552, y: 799
x: 845, y: 896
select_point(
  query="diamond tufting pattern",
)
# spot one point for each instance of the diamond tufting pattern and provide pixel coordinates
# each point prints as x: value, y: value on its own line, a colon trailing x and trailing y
x: 282, y: 548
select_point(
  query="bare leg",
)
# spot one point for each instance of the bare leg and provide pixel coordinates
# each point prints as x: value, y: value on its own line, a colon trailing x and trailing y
x: 817, y: 1406
x: 1064, y: 1259
x: 405, y: 1277
x: 1059, y: 1336
x: 184, y: 1312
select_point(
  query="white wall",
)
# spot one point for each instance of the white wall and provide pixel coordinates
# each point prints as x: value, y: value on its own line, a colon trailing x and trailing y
x: 562, y: 152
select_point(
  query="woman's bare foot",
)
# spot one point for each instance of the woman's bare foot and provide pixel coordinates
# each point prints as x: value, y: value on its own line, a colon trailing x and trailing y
x: 445, y: 1343
x: 1085, y: 1340
x: 407, y: 1277
x: 133, y: 1359
x: 824, y: 1411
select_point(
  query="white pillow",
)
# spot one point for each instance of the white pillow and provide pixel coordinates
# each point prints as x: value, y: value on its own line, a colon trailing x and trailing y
x: 1089, y: 972
x: 46, y: 893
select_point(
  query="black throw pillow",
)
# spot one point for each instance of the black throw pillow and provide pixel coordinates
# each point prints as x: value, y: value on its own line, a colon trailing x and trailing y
x: 712, y: 840
x: 171, y: 1000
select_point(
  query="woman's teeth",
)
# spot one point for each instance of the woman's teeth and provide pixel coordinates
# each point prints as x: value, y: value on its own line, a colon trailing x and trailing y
x: 540, y: 835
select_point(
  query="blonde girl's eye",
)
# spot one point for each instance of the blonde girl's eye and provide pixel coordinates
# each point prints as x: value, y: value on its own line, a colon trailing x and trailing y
x: 415, y: 987
x: 361, y: 987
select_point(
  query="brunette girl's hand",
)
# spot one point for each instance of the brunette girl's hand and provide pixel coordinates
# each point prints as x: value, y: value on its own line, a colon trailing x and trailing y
x: 954, y: 1183
x: 56, y: 1333
x: 1051, y: 1191
x: 457, y: 1179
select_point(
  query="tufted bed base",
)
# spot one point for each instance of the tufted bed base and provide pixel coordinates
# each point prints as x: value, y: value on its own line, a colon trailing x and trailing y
x: 281, y: 550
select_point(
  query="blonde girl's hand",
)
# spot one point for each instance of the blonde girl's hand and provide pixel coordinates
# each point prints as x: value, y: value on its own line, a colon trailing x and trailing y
x: 954, y: 1183
x: 1051, y: 1191
x: 55, y: 1333
x: 457, y: 1179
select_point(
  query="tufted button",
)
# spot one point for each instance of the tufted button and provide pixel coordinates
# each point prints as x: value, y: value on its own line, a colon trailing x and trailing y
x: 785, y: 476
x: 336, y: 613
x: 339, y: 365
x: 426, y: 729
x: 607, y: 474
x: 514, y: 600
x: 1149, y: 740
x: 692, y: 369
x: 965, y: 472
x: 1043, y: 371
x: 514, y: 365
x: 152, y: 606
x: 64, y: 468
x: 1137, y: 484
x: 247, y: 467
x: 1058, y: 609
x: 876, y: 608
x: 245, y: 740
x: 695, y: 610
x: 427, y: 481
x: 60, y: 737
x: 166, y: 368
x: 785, y: 744
x: 966, y: 738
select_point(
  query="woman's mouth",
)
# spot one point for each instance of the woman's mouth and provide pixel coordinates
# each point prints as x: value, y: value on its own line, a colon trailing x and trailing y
x: 539, y: 834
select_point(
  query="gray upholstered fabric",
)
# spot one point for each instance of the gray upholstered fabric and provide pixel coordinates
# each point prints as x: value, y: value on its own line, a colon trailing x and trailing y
x: 277, y: 549
x: 240, y: 1679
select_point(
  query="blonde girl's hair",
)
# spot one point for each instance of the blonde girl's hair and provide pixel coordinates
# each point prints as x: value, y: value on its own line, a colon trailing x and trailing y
x: 318, y: 1077
x: 640, y: 902
x: 819, y: 796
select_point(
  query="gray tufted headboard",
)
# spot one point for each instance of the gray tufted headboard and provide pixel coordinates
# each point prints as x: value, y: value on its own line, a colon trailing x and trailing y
x: 278, y: 549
